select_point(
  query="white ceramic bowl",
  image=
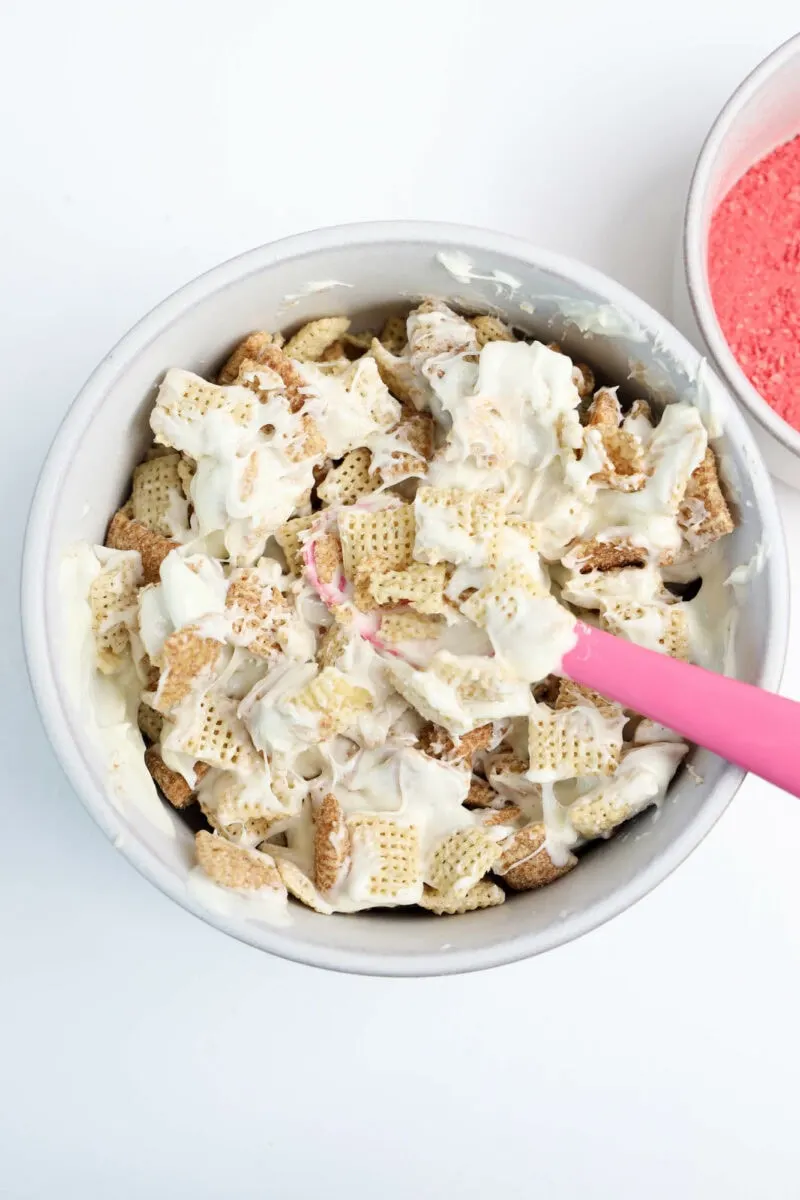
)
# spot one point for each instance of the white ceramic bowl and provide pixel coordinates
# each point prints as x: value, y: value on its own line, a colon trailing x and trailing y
x: 762, y: 113
x: 88, y: 472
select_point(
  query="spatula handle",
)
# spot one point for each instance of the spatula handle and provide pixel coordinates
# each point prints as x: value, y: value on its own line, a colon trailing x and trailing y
x: 755, y: 729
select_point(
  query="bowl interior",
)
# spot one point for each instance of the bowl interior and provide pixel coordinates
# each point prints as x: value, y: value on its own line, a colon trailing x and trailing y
x: 88, y: 475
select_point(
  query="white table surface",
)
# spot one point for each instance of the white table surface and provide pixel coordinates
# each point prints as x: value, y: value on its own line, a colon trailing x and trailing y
x: 142, y: 1053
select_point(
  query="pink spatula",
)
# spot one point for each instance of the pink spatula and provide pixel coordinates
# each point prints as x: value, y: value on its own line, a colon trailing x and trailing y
x: 755, y: 729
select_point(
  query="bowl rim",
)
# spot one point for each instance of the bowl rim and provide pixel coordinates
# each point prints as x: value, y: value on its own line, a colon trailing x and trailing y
x: 53, y: 708
x: 694, y: 249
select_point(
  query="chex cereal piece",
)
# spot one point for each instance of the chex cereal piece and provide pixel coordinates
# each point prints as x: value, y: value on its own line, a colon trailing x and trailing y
x: 601, y: 555
x: 626, y: 470
x: 461, y: 859
x: 629, y: 619
x: 331, y: 843
x: 583, y: 378
x: 704, y: 515
x: 565, y: 745
x: 350, y: 480
x: 215, y: 735
x: 506, y: 588
x: 416, y: 432
x: 336, y: 700
x: 276, y: 360
x: 394, y: 851
x: 150, y: 722
x: 184, y: 401
x: 335, y: 353
x: 186, y: 469
x: 393, y: 335
x: 328, y: 558
x: 264, y: 612
x: 332, y: 645
x: 310, y: 342
x: 300, y: 886
x: 399, y: 376
x: 357, y: 344
x: 387, y: 534
x: 236, y: 867
x: 508, y: 815
x: 525, y: 862
x: 127, y: 534
x: 570, y: 694
x: 249, y: 349
x: 483, y: 894
x: 410, y: 626
x: 491, y: 329
x: 437, y: 743
x: 288, y: 537
x: 481, y: 794
x: 247, y: 831
x: 479, y: 689
x: 158, y: 499
x: 642, y: 779
x: 307, y: 442
x: 112, y: 600
x: 173, y: 785
x: 508, y: 776
x: 454, y: 525
x: 187, y: 663
x: 418, y: 584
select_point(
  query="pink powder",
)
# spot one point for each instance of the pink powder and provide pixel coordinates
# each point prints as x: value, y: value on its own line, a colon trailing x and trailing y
x: 754, y: 270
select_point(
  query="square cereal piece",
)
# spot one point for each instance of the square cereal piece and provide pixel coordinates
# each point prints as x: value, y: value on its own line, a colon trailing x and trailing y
x: 481, y: 794
x: 491, y: 329
x: 437, y: 743
x: 332, y: 645
x: 571, y: 694
x: 502, y: 595
x: 112, y: 599
x: 127, y: 534
x: 248, y: 350
x: 414, y: 438
x: 236, y: 867
x: 704, y: 515
x: 483, y: 894
x: 289, y: 538
x: 173, y: 785
x: 299, y: 885
x: 185, y: 400
x: 313, y: 339
x: 454, y: 525
x: 387, y: 534
x: 625, y: 468
x: 400, y: 377
x: 212, y: 732
x: 158, y: 498
x: 461, y: 859
x: 350, y: 480
x: 264, y: 612
x: 337, y: 702
x: 410, y: 626
x: 567, y: 744
x: 419, y: 585
x: 392, y: 852
x: 636, y: 621
x: 393, y: 335
x: 508, y: 775
x: 331, y: 844
x: 150, y: 723
x: 525, y: 862
x: 599, y: 554
x: 188, y: 662
x: 509, y: 814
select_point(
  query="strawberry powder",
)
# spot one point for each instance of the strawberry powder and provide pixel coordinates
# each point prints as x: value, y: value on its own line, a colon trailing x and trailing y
x: 754, y: 270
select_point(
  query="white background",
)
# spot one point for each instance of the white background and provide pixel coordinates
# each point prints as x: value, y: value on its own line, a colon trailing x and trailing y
x: 143, y: 1054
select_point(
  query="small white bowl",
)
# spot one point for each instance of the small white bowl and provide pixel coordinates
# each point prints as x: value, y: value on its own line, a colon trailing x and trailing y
x: 762, y: 114
x: 378, y: 268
